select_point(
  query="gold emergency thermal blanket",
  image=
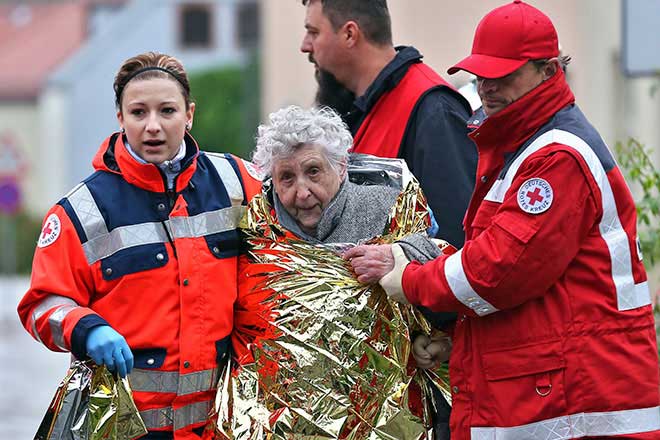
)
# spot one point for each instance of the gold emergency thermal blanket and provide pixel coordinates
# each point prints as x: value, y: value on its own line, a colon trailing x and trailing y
x: 318, y: 354
x: 91, y: 404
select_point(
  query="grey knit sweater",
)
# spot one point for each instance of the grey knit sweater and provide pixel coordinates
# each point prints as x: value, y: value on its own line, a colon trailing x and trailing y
x: 358, y: 213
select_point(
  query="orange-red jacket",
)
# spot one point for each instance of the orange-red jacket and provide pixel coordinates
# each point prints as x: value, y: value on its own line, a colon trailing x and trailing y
x: 556, y: 337
x: 159, y: 267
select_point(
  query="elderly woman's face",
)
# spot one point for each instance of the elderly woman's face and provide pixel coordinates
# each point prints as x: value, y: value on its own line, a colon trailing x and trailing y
x: 305, y: 183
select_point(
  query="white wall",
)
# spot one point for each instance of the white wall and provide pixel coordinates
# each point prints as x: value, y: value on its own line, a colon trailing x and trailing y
x: 52, y: 163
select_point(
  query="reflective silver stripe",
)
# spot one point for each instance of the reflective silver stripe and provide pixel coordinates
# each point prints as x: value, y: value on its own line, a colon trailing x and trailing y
x: 124, y: 237
x: 150, y: 381
x: 639, y: 296
x: 157, y: 418
x: 629, y: 295
x: 579, y: 425
x: 196, y: 382
x: 206, y: 223
x: 56, y: 322
x: 229, y: 178
x: 177, y: 419
x: 87, y: 211
x: 153, y: 381
x: 189, y: 414
x: 44, y: 306
x: 460, y: 286
x: 101, y: 243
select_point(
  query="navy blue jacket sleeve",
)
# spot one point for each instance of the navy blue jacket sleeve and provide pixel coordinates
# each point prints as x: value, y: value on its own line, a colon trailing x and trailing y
x: 80, y: 332
x: 440, y: 154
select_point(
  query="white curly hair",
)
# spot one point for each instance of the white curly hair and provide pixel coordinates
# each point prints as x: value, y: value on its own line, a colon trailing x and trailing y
x: 292, y: 127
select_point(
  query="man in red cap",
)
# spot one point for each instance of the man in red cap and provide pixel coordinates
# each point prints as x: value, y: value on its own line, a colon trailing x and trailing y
x: 556, y: 336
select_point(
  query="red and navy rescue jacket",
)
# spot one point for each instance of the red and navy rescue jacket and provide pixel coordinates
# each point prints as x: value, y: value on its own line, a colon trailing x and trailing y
x: 159, y: 267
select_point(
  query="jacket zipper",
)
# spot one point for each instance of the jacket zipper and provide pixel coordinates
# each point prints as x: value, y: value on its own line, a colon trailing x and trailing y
x: 171, y: 200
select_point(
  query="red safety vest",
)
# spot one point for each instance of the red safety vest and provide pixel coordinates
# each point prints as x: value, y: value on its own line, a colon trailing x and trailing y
x: 381, y: 133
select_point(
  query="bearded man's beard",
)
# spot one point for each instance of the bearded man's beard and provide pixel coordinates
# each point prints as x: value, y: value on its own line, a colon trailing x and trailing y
x: 332, y: 93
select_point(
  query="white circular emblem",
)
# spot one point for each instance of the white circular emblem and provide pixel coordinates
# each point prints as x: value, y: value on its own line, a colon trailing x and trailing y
x: 50, y: 231
x: 253, y: 170
x: 535, y: 196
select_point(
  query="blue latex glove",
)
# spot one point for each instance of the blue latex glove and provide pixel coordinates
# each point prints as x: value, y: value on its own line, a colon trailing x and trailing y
x: 434, y: 228
x: 107, y: 347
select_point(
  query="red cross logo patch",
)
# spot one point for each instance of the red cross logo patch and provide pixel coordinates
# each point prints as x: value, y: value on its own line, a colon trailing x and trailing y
x: 535, y: 196
x: 253, y: 170
x: 50, y: 232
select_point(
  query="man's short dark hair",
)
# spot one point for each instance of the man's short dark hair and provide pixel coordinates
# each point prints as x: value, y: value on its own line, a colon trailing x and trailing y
x: 372, y: 16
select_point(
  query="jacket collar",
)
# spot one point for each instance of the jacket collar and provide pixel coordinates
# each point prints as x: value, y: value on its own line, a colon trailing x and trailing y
x: 508, y: 129
x: 113, y: 157
x: 389, y: 77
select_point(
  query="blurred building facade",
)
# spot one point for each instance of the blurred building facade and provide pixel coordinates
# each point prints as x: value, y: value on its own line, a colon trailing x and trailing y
x: 589, y: 30
x: 57, y: 101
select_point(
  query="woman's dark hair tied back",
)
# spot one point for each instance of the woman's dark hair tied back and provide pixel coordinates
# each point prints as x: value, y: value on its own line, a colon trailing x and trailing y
x: 151, y: 65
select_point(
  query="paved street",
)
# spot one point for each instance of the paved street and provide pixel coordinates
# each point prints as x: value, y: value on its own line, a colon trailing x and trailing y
x: 29, y: 373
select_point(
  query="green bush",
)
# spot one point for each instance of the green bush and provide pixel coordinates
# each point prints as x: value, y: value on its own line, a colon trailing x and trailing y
x: 25, y: 232
x: 636, y: 162
x: 227, y: 108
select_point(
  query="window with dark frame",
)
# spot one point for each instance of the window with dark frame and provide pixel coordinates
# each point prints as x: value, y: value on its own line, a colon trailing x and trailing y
x: 195, y: 26
x: 248, y: 25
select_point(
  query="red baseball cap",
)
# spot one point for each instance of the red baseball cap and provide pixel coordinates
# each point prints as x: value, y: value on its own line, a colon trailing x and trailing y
x: 508, y: 37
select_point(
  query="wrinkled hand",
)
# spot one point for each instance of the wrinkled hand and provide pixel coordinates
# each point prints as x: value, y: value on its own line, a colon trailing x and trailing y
x: 430, y: 352
x: 107, y: 347
x: 370, y: 262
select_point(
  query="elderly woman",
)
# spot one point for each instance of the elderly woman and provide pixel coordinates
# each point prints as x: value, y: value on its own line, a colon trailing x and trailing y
x: 304, y: 156
x: 305, y: 152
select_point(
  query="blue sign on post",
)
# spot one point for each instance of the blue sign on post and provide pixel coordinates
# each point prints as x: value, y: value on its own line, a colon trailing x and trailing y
x: 10, y: 196
x: 12, y: 167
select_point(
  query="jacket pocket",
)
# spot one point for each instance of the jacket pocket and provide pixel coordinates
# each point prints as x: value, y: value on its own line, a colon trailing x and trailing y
x: 521, y: 229
x: 484, y: 217
x: 134, y: 259
x: 224, y: 244
x: 506, y: 240
x: 523, y: 384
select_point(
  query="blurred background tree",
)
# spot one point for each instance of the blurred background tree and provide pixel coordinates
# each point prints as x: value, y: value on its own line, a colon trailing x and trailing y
x: 227, y: 112
x: 635, y: 160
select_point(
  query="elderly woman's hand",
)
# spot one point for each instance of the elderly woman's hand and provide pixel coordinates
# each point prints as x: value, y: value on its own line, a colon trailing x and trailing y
x: 370, y: 262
